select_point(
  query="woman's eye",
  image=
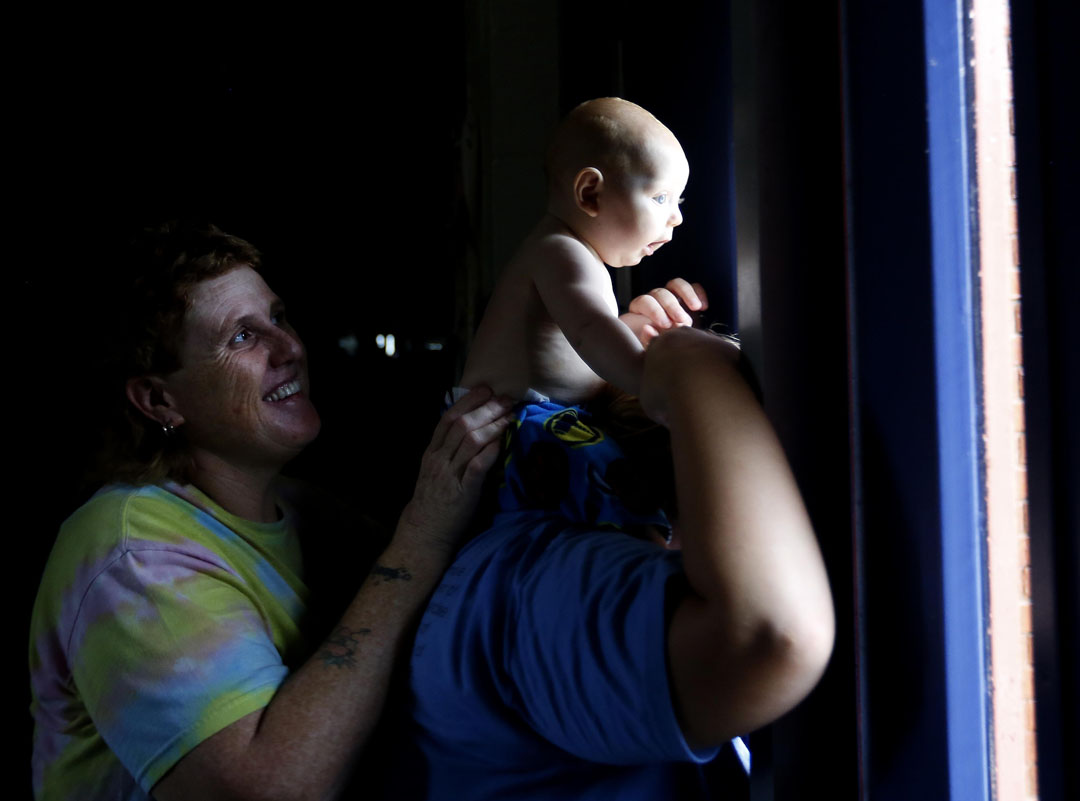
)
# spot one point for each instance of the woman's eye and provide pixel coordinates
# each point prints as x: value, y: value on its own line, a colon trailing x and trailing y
x: 661, y: 198
x: 241, y: 336
x: 277, y: 318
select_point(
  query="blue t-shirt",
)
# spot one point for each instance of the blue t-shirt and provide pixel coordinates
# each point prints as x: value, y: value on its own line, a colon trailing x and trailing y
x: 540, y: 669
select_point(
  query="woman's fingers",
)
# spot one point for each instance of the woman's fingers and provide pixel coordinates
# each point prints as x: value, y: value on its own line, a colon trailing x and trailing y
x: 477, y: 468
x: 463, y: 449
x: 475, y: 397
x: 476, y: 441
x: 473, y: 431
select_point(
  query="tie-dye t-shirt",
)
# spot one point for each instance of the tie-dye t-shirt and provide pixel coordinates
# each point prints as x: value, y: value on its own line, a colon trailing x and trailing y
x: 161, y: 619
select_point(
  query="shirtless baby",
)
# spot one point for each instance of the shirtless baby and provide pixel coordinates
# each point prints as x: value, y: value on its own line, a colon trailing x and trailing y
x: 615, y: 181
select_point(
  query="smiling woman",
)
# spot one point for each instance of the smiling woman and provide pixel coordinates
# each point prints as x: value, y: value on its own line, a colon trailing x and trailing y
x: 169, y: 649
x: 241, y: 394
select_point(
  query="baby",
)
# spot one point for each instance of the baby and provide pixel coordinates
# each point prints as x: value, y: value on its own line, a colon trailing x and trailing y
x: 615, y: 181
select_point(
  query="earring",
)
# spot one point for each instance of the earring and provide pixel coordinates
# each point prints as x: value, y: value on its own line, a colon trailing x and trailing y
x: 168, y: 429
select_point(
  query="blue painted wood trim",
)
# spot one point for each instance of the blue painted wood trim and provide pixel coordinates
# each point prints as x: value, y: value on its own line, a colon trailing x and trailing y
x: 919, y: 529
x: 956, y: 329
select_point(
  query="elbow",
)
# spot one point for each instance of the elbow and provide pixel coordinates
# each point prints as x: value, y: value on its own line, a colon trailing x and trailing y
x: 796, y: 653
x: 733, y: 674
x: 803, y: 652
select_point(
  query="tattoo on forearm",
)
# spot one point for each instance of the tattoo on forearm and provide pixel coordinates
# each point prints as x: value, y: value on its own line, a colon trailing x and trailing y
x: 381, y: 574
x: 341, y: 646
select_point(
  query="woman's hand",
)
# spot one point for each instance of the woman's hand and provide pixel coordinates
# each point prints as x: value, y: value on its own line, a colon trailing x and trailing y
x: 663, y: 308
x: 463, y: 448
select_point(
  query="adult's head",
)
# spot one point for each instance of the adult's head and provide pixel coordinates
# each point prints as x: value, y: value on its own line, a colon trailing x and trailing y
x: 615, y: 177
x: 212, y: 375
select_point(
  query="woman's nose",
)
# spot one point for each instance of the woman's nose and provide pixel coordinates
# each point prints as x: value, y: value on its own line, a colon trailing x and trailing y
x: 285, y: 346
x: 676, y: 216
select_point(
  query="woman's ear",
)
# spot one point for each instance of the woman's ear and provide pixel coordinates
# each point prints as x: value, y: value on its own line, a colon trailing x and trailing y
x: 588, y: 184
x: 149, y: 395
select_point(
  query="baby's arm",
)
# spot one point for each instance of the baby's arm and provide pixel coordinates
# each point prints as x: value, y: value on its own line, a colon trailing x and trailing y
x: 574, y: 287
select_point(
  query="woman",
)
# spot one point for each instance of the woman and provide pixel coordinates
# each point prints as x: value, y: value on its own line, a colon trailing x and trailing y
x: 168, y: 643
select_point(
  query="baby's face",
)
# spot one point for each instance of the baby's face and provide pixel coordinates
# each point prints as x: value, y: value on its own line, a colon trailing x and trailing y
x: 639, y: 211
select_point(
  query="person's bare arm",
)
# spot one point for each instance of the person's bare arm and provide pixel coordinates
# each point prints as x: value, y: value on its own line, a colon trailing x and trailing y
x: 303, y: 743
x: 755, y: 633
x: 574, y: 287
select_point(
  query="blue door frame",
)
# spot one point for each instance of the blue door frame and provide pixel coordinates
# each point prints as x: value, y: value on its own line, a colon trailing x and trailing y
x: 920, y: 562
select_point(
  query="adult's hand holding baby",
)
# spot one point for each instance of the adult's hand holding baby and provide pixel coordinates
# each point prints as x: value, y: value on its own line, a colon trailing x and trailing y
x: 463, y: 448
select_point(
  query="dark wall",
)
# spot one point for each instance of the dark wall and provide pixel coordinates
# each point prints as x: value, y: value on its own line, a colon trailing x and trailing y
x: 331, y: 149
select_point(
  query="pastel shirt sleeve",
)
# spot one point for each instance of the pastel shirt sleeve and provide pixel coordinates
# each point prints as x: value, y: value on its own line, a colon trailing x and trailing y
x: 588, y: 662
x: 168, y: 648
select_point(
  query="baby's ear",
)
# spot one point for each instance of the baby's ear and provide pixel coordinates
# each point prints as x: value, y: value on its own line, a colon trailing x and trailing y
x: 588, y: 184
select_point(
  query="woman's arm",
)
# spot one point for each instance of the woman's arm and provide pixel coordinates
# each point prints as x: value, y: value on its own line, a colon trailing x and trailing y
x: 753, y: 636
x: 303, y: 743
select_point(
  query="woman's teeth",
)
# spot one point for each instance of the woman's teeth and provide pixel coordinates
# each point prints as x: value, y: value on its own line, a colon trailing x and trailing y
x: 284, y: 391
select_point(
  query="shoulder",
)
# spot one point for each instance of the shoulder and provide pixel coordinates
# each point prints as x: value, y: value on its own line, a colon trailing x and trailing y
x: 119, y: 520
x: 103, y: 522
x: 552, y: 246
x: 577, y: 567
x: 539, y: 562
x: 91, y: 549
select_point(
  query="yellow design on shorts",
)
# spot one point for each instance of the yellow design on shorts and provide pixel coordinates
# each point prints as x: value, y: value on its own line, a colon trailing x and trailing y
x: 568, y: 427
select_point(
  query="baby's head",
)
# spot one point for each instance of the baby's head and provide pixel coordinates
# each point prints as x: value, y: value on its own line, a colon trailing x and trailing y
x: 616, y: 177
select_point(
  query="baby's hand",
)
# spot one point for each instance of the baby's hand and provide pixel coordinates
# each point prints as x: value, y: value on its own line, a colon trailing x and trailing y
x: 663, y: 308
